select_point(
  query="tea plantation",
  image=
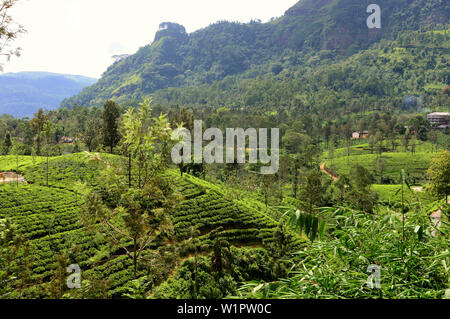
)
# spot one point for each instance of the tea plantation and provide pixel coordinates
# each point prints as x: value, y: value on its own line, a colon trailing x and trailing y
x: 47, y: 222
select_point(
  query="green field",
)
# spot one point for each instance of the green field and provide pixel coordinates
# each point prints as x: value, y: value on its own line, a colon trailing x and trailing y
x: 10, y: 162
x: 391, y: 194
x: 48, y: 218
x: 415, y: 165
x: 361, y: 147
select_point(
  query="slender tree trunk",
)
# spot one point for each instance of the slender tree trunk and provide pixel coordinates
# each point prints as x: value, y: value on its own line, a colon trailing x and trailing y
x: 266, y: 199
x: 139, y: 175
x: 348, y: 147
x: 181, y: 164
x: 38, y: 144
x: 47, y: 170
x: 295, y: 182
x: 17, y: 170
x: 403, y: 220
x: 129, y: 170
x: 135, y: 259
x: 145, y: 173
x: 195, y: 274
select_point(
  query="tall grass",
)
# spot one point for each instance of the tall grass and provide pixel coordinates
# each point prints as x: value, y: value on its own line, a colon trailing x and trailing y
x: 413, y: 263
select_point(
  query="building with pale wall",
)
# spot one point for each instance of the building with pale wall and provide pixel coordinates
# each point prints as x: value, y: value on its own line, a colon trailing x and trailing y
x: 439, y: 118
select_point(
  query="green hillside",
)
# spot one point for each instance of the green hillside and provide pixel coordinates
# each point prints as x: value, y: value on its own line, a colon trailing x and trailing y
x: 23, y: 93
x: 415, y: 164
x: 310, y: 34
x: 48, y: 221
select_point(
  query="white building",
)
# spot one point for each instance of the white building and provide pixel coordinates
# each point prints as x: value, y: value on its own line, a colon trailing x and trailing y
x: 438, y: 118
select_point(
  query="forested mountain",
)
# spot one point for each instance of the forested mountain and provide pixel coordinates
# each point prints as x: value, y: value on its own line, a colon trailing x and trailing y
x: 22, y: 94
x: 311, y: 36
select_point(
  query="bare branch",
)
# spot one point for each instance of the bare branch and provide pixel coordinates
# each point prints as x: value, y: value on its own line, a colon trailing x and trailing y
x: 9, y: 31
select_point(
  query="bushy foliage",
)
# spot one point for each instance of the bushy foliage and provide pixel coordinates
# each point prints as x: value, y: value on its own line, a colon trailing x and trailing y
x: 414, y: 267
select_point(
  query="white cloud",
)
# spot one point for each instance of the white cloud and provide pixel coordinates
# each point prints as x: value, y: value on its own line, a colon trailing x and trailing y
x: 79, y: 36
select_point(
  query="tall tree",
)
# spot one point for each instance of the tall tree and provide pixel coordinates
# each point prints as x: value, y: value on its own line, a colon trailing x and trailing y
x: 110, y: 124
x: 347, y: 134
x: 359, y: 193
x: 146, y: 138
x: 295, y: 173
x: 7, y: 143
x: 379, y: 166
x: 140, y: 215
x: 91, y: 136
x: 392, y: 137
x: 183, y: 118
x: 420, y: 126
x: 268, y: 185
x: 413, y: 145
x: 379, y: 143
x: 327, y: 133
x: 57, y: 284
x: 433, y: 137
x: 193, y: 243
x: 313, y: 190
x: 360, y: 176
x: 439, y: 174
x: 372, y: 143
x: 331, y: 151
x: 48, y: 132
x: 405, y: 140
x: 37, y: 125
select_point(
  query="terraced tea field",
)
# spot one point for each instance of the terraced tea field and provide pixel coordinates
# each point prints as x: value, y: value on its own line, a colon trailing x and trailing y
x: 415, y: 165
x: 48, y: 220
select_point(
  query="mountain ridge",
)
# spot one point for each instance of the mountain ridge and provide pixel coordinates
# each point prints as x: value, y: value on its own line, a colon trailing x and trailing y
x: 23, y: 93
x: 177, y: 59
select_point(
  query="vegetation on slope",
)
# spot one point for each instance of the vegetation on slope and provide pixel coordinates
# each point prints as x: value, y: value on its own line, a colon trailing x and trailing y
x: 47, y: 231
x: 413, y: 262
x: 309, y: 34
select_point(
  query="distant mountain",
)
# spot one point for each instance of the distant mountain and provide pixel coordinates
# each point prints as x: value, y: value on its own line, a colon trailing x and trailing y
x: 22, y: 94
x: 330, y: 28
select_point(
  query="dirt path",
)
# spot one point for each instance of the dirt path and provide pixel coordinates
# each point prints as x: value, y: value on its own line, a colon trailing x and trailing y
x: 11, y: 177
x: 333, y: 175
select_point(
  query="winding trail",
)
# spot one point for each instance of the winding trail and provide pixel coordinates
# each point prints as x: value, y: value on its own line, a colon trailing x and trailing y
x: 333, y: 175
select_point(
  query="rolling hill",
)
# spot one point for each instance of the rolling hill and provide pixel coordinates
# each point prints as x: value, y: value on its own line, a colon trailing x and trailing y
x: 22, y: 94
x: 311, y: 31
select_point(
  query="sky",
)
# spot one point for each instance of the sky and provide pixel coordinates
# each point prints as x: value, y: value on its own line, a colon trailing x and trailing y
x: 81, y: 36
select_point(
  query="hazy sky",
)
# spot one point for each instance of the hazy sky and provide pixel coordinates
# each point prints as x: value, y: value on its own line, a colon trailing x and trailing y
x: 80, y: 36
